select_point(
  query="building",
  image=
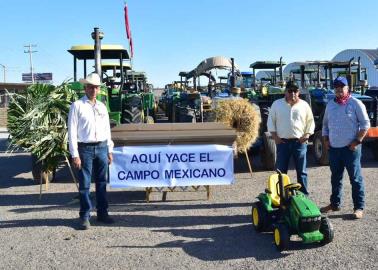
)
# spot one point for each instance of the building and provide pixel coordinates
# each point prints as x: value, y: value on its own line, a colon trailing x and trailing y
x: 4, y: 98
x: 368, y: 58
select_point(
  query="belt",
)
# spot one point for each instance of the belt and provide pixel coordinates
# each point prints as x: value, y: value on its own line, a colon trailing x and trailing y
x: 290, y: 140
x: 89, y: 143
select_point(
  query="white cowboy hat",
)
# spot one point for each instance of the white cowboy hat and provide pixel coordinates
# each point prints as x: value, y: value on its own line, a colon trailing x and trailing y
x: 92, y: 79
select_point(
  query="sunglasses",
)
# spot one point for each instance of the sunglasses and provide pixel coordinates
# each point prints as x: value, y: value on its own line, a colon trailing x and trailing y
x: 293, y: 90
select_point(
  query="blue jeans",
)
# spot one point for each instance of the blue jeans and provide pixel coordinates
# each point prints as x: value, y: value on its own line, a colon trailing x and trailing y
x: 94, y: 159
x: 340, y: 158
x: 297, y: 150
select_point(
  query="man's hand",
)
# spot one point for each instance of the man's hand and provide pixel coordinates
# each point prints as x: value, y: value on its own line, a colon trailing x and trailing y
x: 110, y: 158
x: 303, y: 139
x: 326, y: 143
x: 76, y: 162
x: 353, y: 145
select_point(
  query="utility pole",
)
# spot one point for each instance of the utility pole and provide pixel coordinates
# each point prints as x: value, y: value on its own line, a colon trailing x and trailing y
x: 30, y: 52
x: 4, y: 67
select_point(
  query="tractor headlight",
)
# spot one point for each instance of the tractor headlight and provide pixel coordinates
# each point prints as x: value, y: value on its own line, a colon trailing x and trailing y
x: 309, y: 224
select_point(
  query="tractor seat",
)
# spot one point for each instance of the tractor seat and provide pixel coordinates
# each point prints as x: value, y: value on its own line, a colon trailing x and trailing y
x: 273, y: 187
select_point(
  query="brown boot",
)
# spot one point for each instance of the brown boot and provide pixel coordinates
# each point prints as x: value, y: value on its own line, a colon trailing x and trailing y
x: 329, y: 208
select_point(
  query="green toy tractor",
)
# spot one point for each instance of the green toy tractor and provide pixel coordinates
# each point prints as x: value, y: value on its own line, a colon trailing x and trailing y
x: 287, y: 211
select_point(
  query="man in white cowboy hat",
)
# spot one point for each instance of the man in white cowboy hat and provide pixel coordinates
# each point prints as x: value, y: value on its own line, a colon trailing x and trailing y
x: 91, y: 149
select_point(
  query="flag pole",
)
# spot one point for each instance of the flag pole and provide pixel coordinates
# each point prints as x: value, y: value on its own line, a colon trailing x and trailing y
x: 128, y: 34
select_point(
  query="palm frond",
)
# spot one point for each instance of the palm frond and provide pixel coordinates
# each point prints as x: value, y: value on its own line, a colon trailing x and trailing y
x: 37, y: 121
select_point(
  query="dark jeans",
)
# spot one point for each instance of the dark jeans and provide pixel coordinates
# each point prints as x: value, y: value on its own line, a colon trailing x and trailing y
x: 340, y: 158
x: 94, y: 159
x: 297, y: 150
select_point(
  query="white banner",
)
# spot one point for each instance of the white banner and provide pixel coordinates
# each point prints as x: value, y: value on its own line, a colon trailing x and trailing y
x: 171, y: 165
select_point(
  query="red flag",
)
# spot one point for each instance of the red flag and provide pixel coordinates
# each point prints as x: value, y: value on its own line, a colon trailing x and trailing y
x: 128, y: 33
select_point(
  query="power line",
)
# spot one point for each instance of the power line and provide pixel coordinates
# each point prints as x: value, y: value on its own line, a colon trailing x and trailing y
x: 30, y: 52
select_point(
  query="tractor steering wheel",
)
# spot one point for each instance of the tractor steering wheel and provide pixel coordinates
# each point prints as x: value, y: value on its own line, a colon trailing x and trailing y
x: 293, y: 186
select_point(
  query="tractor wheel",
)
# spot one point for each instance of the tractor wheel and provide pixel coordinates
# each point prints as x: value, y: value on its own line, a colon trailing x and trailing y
x: 174, y: 115
x: 326, y: 229
x: 187, y: 116
x: 132, y: 115
x: 259, y: 217
x: 281, y: 236
x: 375, y: 149
x: 132, y: 110
x: 321, y: 155
x: 269, y: 152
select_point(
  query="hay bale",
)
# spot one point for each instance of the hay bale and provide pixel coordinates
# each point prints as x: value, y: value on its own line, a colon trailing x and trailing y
x: 241, y: 115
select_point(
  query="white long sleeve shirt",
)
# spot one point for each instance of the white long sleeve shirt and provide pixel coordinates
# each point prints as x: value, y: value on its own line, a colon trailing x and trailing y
x: 88, y: 123
x: 290, y: 121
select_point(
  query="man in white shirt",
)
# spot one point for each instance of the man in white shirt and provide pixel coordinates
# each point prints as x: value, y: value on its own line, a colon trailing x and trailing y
x: 91, y: 149
x: 291, y: 122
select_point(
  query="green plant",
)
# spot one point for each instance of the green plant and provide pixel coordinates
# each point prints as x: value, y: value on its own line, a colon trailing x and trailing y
x: 37, y: 122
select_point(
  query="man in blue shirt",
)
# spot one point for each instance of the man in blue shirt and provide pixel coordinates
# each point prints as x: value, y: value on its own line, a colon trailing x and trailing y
x: 345, y: 125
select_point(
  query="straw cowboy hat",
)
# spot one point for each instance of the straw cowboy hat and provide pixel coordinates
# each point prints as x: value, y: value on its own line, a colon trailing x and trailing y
x: 92, y: 79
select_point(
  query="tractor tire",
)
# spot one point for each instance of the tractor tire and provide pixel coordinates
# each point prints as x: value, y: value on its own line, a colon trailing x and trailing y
x: 375, y: 149
x: 174, y: 115
x: 187, y: 116
x: 259, y: 217
x: 209, y: 116
x: 132, y: 111
x: 281, y: 236
x: 326, y: 229
x: 269, y: 152
x: 321, y: 156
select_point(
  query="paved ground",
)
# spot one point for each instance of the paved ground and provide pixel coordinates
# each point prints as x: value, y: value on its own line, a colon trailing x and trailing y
x: 186, y: 232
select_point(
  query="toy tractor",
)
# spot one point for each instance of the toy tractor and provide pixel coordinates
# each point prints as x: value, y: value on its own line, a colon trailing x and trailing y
x: 287, y: 211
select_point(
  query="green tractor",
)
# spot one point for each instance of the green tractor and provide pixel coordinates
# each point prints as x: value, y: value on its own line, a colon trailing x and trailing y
x: 287, y: 211
x: 168, y: 100
x: 138, y: 101
x: 109, y: 94
x: 126, y: 94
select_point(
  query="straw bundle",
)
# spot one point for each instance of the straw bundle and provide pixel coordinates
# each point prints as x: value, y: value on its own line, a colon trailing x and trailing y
x: 243, y: 117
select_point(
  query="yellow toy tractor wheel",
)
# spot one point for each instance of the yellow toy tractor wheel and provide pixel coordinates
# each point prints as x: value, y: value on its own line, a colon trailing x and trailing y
x: 281, y: 236
x: 259, y: 217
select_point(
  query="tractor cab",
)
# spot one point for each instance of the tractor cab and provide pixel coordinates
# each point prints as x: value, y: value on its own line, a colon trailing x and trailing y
x: 112, y: 75
x: 136, y: 83
x: 267, y: 83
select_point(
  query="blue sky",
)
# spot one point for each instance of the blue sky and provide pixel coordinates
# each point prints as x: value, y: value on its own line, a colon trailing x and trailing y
x: 170, y: 36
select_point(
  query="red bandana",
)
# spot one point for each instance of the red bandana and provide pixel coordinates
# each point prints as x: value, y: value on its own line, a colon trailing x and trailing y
x: 342, y: 100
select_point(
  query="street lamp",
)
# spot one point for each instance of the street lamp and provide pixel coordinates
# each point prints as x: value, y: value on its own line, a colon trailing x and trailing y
x: 4, y: 67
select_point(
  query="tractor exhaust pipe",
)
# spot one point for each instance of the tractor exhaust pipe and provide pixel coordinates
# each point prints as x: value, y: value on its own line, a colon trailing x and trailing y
x: 97, y: 36
x: 349, y: 76
x: 359, y: 69
x: 281, y: 71
x: 302, y: 76
x: 232, y: 73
